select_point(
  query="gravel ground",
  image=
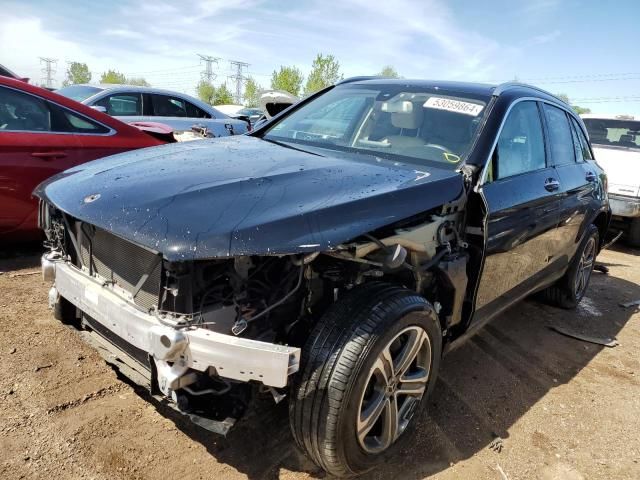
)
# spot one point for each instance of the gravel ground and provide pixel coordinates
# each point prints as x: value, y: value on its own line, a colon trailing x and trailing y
x: 518, y: 401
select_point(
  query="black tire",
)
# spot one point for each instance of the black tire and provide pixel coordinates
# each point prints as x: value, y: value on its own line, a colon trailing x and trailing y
x: 633, y: 235
x: 336, y: 378
x: 567, y: 292
x: 65, y: 311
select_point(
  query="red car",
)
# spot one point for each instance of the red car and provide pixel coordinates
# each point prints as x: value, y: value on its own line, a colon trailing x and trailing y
x: 43, y: 133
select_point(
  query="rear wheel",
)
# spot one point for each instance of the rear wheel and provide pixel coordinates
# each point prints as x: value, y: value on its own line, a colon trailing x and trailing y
x: 366, y: 370
x: 570, y: 289
x: 633, y: 235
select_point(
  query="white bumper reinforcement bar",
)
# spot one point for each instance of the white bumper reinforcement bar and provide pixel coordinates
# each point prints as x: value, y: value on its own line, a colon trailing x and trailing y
x: 186, y: 348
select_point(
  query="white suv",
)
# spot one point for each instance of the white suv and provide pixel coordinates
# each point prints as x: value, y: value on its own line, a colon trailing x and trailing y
x: 616, y: 145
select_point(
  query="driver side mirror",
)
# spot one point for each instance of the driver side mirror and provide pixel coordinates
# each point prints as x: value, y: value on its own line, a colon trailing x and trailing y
x: 99, y: 108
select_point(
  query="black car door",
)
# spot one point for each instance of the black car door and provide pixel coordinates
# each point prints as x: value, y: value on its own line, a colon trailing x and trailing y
x: 578, y: 180
x: 521, y: 191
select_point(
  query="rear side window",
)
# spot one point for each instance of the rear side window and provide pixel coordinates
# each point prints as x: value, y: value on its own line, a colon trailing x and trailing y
x: 63, y: 120
x: 560, y: 137
x: 195, y: 112
x: 584, y: 150
x: 166, y: 106
x: 122, y: 104
x: 23, y: 112
x: 520, y: 147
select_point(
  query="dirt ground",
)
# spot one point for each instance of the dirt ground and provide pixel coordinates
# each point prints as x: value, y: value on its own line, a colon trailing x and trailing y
x: 518, y: 401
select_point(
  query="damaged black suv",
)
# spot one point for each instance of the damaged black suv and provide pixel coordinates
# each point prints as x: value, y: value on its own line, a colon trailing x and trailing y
x: 331, y: 256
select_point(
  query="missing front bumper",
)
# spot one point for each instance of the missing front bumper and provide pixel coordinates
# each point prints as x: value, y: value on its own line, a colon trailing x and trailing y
x: 175, y: 352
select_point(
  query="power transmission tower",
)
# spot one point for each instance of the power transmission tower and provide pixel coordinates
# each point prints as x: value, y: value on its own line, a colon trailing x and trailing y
x: 239, y: 78
x: 49, y: 70
x: 208, y: 73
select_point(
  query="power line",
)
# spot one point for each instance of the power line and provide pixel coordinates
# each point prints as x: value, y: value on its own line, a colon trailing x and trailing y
x: 239, y: 78
x: 208, y: 73
x: 49, y: 70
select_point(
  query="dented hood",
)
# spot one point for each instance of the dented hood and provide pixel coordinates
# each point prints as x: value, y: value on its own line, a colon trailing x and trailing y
x: 244, y: 196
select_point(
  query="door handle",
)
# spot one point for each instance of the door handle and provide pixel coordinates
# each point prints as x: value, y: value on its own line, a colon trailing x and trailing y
x: 591, y: 177
x: 551, y: 184
x: 49, y: 155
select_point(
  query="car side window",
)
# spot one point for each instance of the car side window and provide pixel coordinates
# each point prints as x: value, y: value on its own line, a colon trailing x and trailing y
x: 66, y: 121
x: 560, y: 137
x: 23, y: 112
x: 122, y: 104
x: 584, y: 150
x: 520, y: 147
x: 166, y: 106
x: 195, y: 112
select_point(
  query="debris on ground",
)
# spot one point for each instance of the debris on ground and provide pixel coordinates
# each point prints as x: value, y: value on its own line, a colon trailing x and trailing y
x: 41, y: 367
x: 599, y: 267
x: 607, y: 342
x: 24, y: 274
x: 497, y: 444
x: 501, y: 471
x: 631, y: 304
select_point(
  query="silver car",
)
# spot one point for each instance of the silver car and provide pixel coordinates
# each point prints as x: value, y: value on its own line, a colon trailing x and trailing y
x: 145, y: 104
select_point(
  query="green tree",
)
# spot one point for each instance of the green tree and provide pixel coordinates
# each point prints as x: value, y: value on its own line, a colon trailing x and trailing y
x: 139, y: 81
x: 288, y: 79
x: 325, y: 71
x: 206, y: 92
x: 223, y: 95
x: 251, y: 93
x: 112, y: 76
x: 389, y: 72
x: 576, y: 108
x: 77, y: 73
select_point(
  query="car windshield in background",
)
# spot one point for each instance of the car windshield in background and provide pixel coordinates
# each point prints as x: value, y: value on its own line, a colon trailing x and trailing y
x: 614, y: 133
x: 78, y: 93
x: 417, y: 125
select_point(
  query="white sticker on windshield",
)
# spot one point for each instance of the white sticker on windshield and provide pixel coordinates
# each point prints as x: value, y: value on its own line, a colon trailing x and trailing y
x: 450, y: 105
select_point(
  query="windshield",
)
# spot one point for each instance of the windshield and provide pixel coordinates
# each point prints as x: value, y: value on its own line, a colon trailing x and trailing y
x: 414, y: 124
x: 78, y: 93
x: 615, y: 133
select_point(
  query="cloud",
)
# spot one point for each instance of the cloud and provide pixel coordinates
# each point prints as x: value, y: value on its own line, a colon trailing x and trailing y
x: 543, y: 38
x: 424, y: 39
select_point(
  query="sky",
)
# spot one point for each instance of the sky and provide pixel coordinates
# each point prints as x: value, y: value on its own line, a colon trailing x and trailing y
x: 589, y: 50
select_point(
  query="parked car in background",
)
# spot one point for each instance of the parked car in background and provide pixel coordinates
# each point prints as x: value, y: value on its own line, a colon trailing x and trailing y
x: 248, y: 114
x: 132, y: 103
x: 272, y: 102
x: 616, y: 145
x: 41, y: 134
x: 330, y: 256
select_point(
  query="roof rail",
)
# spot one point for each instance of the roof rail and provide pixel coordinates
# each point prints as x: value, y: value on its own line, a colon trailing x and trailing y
x: 358, y: 79
x: 506, y: 85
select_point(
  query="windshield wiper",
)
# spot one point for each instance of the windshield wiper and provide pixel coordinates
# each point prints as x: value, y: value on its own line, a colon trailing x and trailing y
x: 288, y: 145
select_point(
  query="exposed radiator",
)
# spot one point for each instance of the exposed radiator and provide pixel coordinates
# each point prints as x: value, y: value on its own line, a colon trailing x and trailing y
x: 121, y: 262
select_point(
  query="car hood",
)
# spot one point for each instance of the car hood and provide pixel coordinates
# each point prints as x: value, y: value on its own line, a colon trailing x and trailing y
x: 244, y: 196
x: 622, y: 166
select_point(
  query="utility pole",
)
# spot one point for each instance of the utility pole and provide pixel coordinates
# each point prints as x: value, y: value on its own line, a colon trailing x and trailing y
x: 49, y: 70
x: 239, y: 78
x: 208, y: 73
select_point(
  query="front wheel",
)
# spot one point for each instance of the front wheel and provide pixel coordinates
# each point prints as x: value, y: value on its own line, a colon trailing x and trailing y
x: 366, y: 370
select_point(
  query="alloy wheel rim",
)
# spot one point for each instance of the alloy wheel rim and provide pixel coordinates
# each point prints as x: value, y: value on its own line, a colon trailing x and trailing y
x: 585, y: 267
x: 396, y: 383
